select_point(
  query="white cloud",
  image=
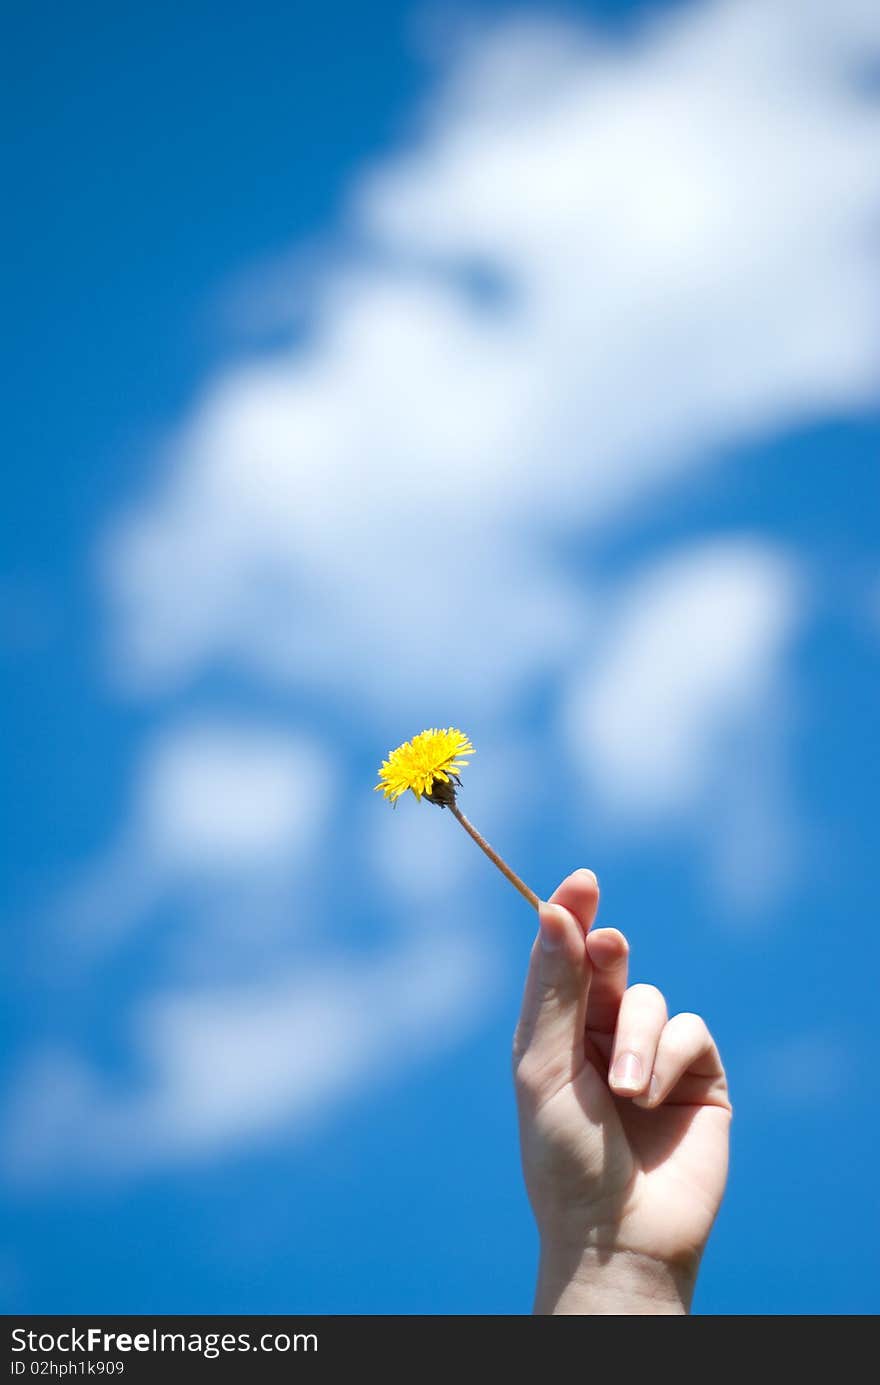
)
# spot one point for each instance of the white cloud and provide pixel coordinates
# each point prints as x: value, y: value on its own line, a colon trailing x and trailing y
x: 213, y: 803
x: 677, y: 717
x: 685, y: 223
x: 224, y: 1068
x: 231, y: 821
x: 224, y: 797
x: 692, y: 648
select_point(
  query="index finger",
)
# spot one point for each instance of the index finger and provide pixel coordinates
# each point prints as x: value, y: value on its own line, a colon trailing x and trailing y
x: 558, y: 979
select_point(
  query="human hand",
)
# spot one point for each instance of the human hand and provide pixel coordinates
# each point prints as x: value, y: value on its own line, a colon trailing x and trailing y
x: 624, y: 1121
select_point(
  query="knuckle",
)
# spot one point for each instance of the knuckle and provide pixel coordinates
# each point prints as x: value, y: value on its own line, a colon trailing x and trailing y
x: 520, y: 1047
x: 529, y: 1075
x: 537, y: 1076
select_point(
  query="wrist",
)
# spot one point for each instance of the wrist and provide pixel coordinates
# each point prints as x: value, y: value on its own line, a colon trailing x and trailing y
x: 596, y: 1280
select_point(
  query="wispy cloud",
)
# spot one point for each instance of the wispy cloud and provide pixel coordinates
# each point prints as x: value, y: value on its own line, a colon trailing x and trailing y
x: 694, y: 645
x: 677, y: 717
x: 214, y: 804
x: 260, y: 1021
x: 682, y: 228
x: 225, y: 1068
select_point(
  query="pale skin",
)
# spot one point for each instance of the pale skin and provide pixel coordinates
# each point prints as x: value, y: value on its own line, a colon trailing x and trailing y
x: 624, y: 1122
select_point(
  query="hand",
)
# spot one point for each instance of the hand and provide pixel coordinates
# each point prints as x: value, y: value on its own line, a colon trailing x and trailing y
x: 624, y: 1121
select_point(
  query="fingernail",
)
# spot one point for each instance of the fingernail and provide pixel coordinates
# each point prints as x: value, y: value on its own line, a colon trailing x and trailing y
x: 627, y: 1072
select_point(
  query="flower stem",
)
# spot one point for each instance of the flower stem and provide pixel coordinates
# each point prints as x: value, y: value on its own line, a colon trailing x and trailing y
x: 494, y: 857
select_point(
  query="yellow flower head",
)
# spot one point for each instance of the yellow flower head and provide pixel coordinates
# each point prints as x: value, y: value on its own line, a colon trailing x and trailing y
x: 430, y: 756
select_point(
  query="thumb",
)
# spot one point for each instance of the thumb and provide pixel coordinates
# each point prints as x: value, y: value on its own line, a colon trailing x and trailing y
x: 550, y: 1032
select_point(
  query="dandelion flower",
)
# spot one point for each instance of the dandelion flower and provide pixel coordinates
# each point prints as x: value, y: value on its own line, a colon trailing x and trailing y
x: 430, y: 756
x: 428, y: 765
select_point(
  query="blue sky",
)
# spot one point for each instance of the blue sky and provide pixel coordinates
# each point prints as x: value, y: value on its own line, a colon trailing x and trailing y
x: 512, y: 368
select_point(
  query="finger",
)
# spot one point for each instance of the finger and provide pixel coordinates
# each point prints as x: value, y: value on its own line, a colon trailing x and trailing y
x: 558, y: 960
x: 579, y: 894
x: 608, y: 951
x: 551, y: 1024
x: 640, y: 1023
x: 556, y: 985
x: 687, y: 1066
